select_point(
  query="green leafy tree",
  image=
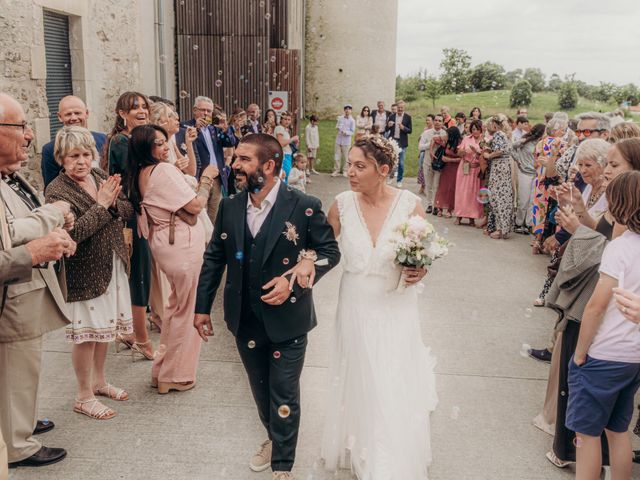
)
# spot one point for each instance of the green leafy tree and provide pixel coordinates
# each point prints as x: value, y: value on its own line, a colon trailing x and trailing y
x: 568, y: 96
x: 521, y: 94
x: 456, y: 68
x: 512, y: 77
x: 584, y: 89
x: 536, y: 78
x: 555, y: 82
x: 627, y: 93
x: 605, y: 92
x: 432, y: 89
x: 487, y: 76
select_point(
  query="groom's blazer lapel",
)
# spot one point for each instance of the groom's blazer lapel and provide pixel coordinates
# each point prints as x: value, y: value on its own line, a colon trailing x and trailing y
x: 285, y: 203
x: 239, y: 216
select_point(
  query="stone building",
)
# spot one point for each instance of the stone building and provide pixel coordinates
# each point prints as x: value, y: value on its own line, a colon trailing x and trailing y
x: 323, y: 53
x: 350, y: 54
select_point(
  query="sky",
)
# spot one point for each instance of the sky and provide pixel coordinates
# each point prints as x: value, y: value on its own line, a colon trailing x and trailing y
x: 596, y: 40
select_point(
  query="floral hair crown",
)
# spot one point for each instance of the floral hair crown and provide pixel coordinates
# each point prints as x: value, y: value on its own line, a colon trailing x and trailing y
x: 389, y: 147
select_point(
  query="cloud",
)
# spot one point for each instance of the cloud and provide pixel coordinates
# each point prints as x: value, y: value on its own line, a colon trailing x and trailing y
x: 597, y: 42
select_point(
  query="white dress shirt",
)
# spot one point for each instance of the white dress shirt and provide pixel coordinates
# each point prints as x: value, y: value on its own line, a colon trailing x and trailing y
x: 257, y: 215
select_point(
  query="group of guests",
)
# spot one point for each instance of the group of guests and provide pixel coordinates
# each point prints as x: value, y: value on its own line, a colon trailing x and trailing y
x: 579, y: 194
x: 125, y: 219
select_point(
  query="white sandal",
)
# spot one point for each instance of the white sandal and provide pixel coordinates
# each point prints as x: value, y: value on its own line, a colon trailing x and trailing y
x: 97, y: 410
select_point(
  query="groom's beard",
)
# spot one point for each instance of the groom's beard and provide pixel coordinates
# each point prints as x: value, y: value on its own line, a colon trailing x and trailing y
x: 252, y: 182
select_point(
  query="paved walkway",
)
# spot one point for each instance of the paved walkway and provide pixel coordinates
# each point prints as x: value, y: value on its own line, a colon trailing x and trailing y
x: 476, y: 317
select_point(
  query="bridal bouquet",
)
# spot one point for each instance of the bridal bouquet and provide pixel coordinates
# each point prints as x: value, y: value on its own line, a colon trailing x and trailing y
x: 416, y: 244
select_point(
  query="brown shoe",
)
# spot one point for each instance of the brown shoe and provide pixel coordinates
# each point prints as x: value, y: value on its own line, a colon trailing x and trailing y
x: 262, y: 459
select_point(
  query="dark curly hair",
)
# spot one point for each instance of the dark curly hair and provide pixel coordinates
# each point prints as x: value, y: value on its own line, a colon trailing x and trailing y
x: 378, y: 149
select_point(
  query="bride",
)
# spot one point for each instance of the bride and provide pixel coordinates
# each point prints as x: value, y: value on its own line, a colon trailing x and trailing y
x: 382, y: 385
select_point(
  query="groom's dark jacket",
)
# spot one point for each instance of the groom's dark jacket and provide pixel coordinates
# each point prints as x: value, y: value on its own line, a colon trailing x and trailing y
x: 271, y: 255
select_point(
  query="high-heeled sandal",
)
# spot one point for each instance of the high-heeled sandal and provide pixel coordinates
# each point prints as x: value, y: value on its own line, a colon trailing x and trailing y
x: 154, y: 321
x: 166, y: 387
x: 122, y: 340
x: 136, y: 348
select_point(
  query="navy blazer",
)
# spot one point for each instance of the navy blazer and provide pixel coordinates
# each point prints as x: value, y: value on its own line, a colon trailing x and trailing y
x: 292, y: 210
x: 49, y: 166
x: 219, y: 140
x: 403, y: 141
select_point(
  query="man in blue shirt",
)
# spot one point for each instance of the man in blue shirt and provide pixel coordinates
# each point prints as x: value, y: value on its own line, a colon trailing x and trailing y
x: 71, y: 111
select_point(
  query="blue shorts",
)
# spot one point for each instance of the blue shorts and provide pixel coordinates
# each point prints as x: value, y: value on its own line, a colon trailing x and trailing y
x: 601, y: 395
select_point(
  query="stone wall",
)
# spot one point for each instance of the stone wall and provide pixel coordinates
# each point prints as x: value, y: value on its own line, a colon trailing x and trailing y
x: 350, y: 54
x: 112, y: 50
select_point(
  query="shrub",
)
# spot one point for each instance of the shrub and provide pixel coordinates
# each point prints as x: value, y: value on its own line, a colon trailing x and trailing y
x: 568, y: 96
x: 521, y: 94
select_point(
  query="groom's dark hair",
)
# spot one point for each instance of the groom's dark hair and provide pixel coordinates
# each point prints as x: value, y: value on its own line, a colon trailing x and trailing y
x: 268, y: 148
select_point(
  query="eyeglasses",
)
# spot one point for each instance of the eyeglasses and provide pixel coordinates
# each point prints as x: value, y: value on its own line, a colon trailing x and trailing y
x: 24, y: 125
x: 588, y: 131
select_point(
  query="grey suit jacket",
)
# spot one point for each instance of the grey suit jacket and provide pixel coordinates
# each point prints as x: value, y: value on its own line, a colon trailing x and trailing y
x: 37, y: 306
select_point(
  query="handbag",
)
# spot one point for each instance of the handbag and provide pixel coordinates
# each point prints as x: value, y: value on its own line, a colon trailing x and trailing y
x: 437, y: 163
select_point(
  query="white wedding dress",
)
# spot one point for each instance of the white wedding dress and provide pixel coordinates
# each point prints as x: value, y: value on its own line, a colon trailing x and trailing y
x: 382, y: 384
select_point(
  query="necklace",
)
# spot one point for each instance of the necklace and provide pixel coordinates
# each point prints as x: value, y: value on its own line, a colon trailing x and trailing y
x: 594, y: 197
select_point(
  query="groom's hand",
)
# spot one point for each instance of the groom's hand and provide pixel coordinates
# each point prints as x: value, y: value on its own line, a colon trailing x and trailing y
x: 204, y: 326
x: 280, y: 291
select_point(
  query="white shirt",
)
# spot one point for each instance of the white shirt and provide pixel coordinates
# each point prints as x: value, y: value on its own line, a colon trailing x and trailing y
x: 346, y: 127
x: 313, y: 136
x: 206, y: 134
x: 285, y: 136
x: 396, y: 132
x: 381, y: 120
x: 618, y: 339
x: 257, y: 215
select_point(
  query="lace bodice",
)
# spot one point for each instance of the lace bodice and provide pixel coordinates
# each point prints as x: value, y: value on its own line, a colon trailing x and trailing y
x: 359, y: 255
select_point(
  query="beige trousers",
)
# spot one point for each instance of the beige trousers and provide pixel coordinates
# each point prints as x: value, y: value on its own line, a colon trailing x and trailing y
x: 340, y: 158
x: 20, y: 364
x: 215, y: 196
x: 4, y: 471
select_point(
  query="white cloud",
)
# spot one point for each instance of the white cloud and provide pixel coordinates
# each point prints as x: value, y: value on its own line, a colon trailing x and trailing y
x: 598, y: 41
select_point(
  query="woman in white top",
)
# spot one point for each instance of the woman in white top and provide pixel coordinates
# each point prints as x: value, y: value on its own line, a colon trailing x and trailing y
x: 312, y: 139
x: 364, y: 122
x: 282, y: 133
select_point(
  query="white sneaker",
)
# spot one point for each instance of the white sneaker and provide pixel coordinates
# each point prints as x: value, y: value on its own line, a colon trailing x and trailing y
x: 262, y: 459
x: 335, y: 174
x: 399, y: 184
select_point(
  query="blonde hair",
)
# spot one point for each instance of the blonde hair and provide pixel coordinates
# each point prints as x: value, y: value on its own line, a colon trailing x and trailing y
x: 71, y: 137
x: 624, y: 130
x: 157, y: 110
x: 501, y: 121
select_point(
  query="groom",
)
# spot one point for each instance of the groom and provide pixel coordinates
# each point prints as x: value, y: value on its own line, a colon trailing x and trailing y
x: 259, y: 235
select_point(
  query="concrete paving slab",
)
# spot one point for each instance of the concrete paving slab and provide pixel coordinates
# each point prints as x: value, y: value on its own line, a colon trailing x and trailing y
x: 476, y: 314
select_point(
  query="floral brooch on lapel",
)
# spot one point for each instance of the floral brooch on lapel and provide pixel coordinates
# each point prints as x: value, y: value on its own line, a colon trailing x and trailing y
x: 290, y: 233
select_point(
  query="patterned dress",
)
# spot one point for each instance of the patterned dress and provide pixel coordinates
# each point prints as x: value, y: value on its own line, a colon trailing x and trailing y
x: 500, y: 186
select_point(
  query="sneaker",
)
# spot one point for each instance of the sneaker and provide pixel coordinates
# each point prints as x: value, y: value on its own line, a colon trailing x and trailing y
x: 335, y: 174
x: 262, y: 459
x: 556, y: 461
x: 429, y: 209
x: 543, y: 355
x: 315, y: 172
x: 277, y: 475
x: 399, y: 184
x: 521, y: 230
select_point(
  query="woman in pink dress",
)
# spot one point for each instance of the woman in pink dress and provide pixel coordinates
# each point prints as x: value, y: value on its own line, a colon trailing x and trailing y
x: 168, y: 211
x: 468, y: 179
x: 446, y: 196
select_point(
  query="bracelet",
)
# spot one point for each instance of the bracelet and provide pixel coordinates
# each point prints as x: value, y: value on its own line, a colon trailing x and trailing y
x: 307, y: 255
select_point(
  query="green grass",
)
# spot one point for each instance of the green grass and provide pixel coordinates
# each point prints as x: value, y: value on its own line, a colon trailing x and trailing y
x: 490, y: 103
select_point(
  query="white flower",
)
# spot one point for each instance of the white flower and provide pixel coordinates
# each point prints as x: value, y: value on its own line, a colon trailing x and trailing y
x: 291, y: 233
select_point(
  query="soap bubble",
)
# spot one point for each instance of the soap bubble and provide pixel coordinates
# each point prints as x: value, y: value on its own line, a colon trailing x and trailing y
x: 267, y: 16
x: 308, y: 212
x: 261, y: 3
x: 223, y: 236
x: 273, y: 58
x: 251, y: 344
x: 218, y: 83
x: 222, y: 39
x: 528, y: 312
x: 483, y: 195
x: 445, y: 231
x: 219, y: 72
x: 260, y: 180
x: 577, y: 442
x: 239, y: 255
x: 277, y: 354
x: 455, y: 413
x: 284, y: 411
x: 162, y: 58
x: 524, y: 350
x: 195, y: 47
x: 183, y: 94
x: 293, y: 300
x: 285, y: 261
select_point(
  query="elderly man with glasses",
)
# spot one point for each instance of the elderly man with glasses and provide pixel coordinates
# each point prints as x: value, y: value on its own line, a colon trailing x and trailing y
x: 32, y: 303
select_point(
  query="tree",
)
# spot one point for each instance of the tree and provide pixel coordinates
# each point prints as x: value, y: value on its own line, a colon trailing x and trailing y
x: 604, y: 92
x: 432, y: 89
x: 512, y: 77
x: 521, y: 94
x: 568, y: 96
x: 628, y: 93
x: 536, y: 78
x: 584, y: 89
x: 487, y: 76
x: 455, y: 70
x: 555, y: 82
